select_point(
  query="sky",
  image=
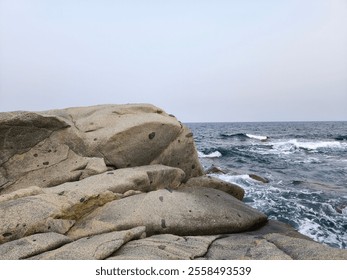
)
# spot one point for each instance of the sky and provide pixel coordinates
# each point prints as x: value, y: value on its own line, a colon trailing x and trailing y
x: 202, y: 61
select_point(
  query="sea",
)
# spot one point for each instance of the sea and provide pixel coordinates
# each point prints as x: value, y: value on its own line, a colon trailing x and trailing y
x: 302, y: 168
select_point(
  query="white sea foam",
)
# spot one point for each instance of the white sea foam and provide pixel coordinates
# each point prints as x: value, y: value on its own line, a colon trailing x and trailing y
x: 309, y: 228
x: 291, y: 146
x: 318, y: 233
x: 233, y: 178
x: 317, y: 145
x: 214, y: 154
x: 258, y: 137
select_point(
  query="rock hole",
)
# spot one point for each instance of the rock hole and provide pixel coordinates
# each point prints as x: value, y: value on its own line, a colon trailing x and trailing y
x: 163, y: 223
x: 34, y: 240
x: 151, y: 135
x: 95, y: 139
x: 61, y: 193
x: 35, y: 155
x: 7, y: 234
x: 49, y: 150
x: 193, y: 166
x: 109, y: 173
x: 82, y: 199
x: 162, y: 247
x: 161, y: 198
x: 190, y: 134
x: 45, y: 163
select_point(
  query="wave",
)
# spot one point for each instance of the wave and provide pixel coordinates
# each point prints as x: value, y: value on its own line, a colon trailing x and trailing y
x: 244, y: 136
x: 258, y: 137
x: 291, y: 146
x: 318, y: 145
x: 310, y: 212
x: 214, y: 154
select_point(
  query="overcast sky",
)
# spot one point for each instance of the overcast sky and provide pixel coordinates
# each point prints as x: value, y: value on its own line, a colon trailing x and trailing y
x: 246, y: 60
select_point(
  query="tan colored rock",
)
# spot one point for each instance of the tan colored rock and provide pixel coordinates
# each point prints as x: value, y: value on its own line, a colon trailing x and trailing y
x: 32, y: 210
x: 182, y: 153
x: 20, y: 131
x: 95, y: 191
x: 186, y: 211
x: 29, y: 215
x: 259, y: 178
x: 32, y: 245
x: 244, y: 247
x: 215, y: 183
x: 165, y: 247
x: 132, y: 135
x: 31, y: 191
x: 302, y: 249
x: 51, y: 171
x: 97, y: 247
x: 49, y: 148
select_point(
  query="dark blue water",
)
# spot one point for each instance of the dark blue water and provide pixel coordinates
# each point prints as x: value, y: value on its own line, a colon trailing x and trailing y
x: 305, y: 163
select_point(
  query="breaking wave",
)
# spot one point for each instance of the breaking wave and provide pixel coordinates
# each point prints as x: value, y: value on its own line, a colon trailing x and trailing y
x: 294, y: 144
x: 244, y: 136
x: 214, y: 154
x: 310, y: 212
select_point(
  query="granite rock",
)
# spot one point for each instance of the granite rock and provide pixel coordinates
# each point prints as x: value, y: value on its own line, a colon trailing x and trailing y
x: 186, y: 211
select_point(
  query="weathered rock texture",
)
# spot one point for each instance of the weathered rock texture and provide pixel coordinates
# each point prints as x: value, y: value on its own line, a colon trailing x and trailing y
x: 125, y: 182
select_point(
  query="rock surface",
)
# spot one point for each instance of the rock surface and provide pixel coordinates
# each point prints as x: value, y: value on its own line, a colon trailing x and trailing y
x: 195, y: 211
x: 125, y: 182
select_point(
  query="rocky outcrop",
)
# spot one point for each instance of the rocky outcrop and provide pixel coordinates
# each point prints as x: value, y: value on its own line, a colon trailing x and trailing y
x: 125, y: 182
x: 50, y: 148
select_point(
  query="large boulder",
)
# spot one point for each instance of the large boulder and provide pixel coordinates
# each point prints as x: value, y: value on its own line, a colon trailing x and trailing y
x: 186, y: 211
x: 49, y: 148
x: 215, y: 183
x: 34, y: 210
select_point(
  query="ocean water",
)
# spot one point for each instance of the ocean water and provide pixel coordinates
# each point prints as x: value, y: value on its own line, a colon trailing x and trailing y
x: 305, y: 164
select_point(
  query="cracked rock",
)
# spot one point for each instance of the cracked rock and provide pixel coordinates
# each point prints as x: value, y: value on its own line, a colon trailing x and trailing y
x: 97, y: 247
x: 165, y: 247
x: 32, y: 245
